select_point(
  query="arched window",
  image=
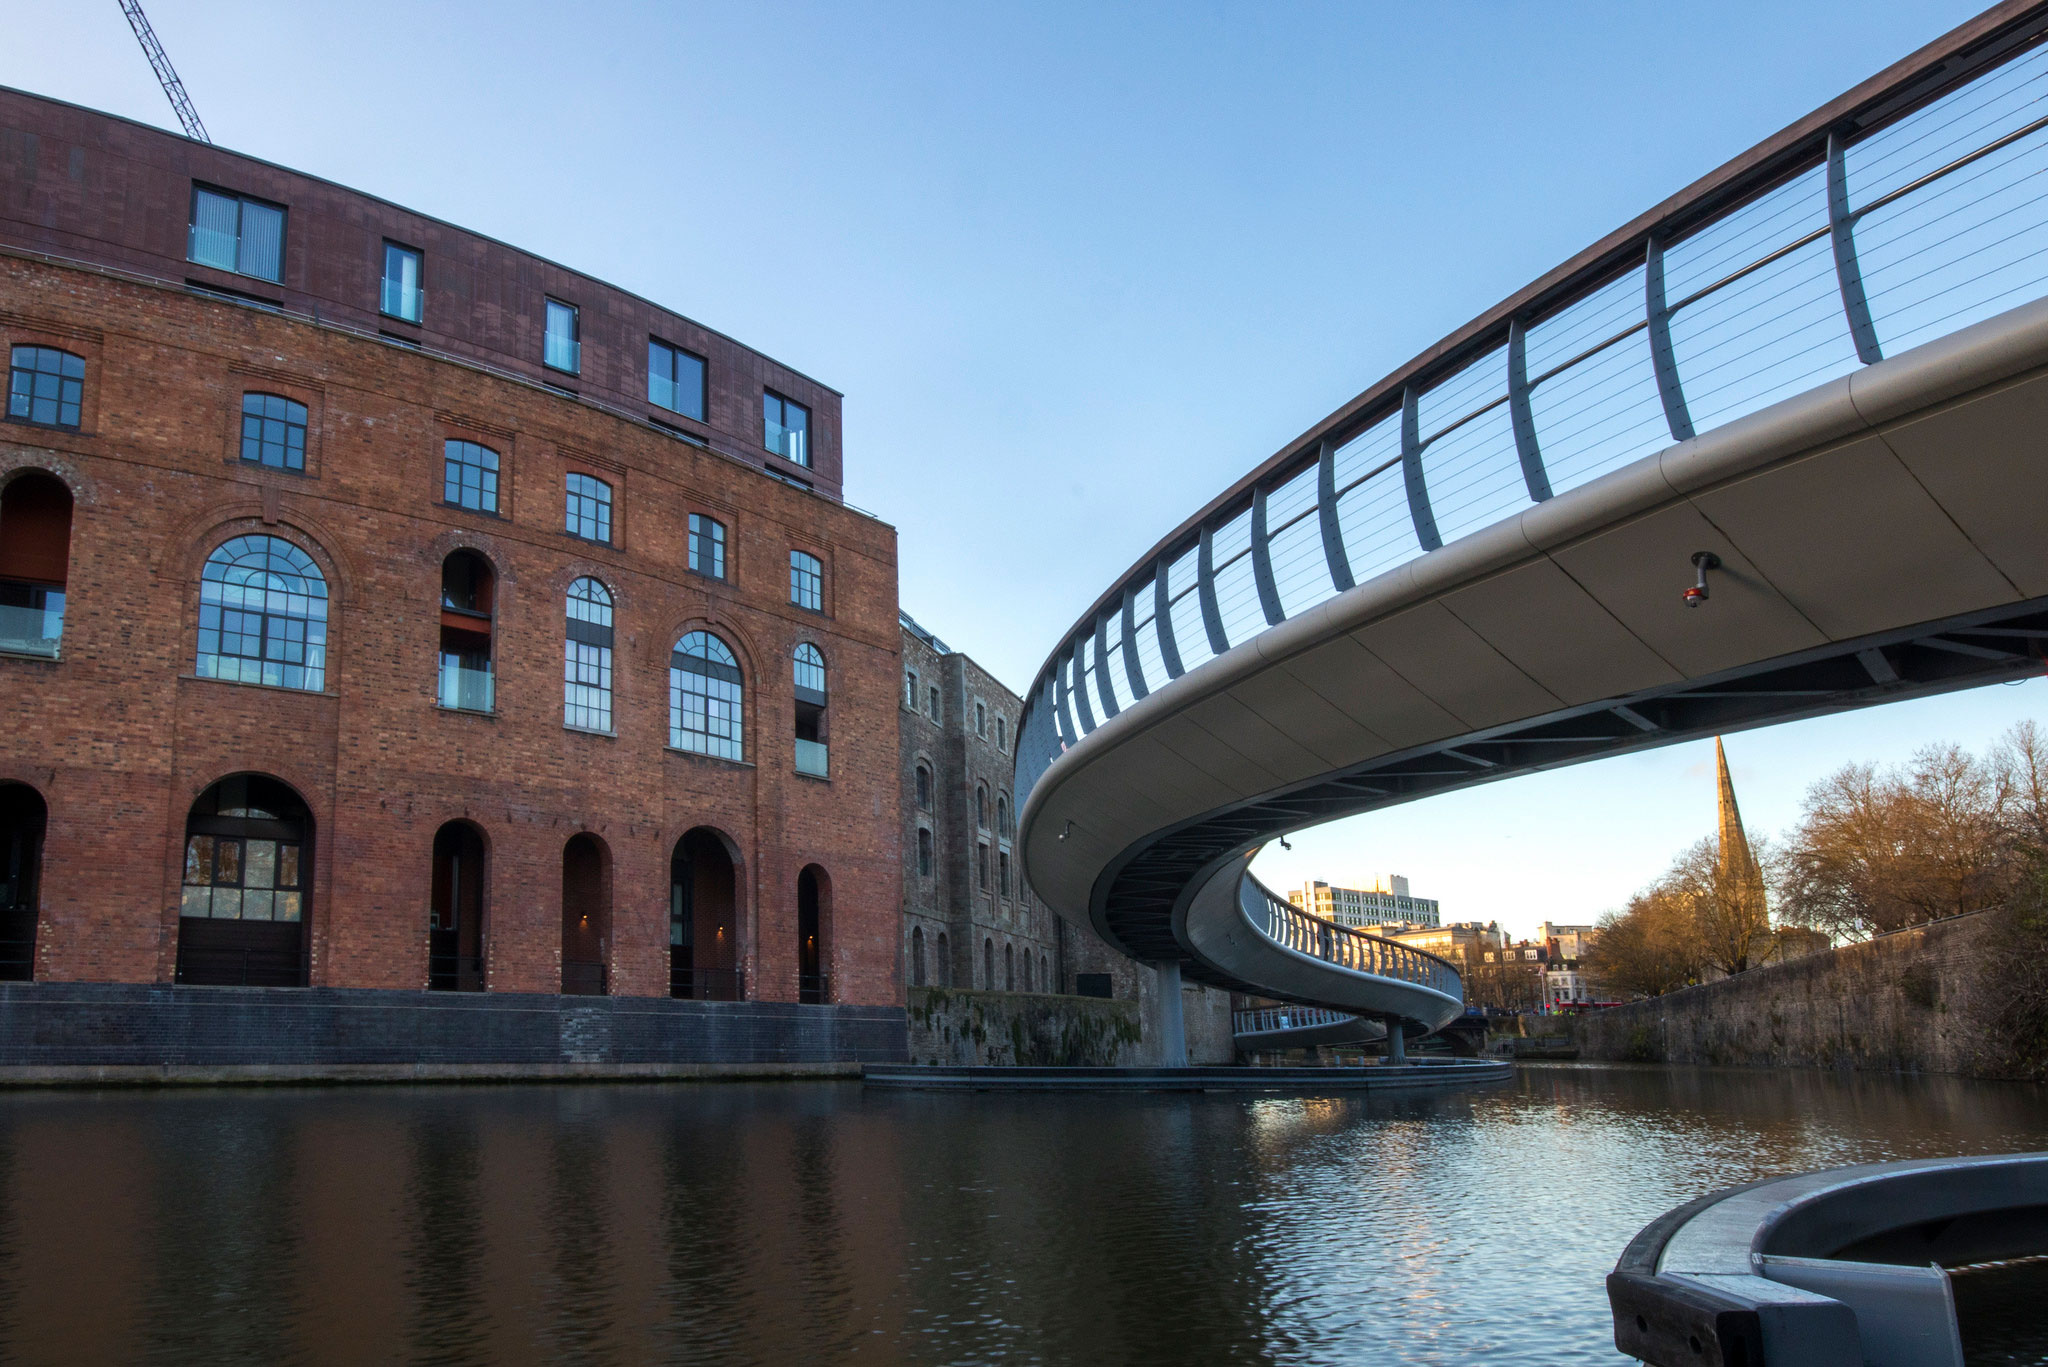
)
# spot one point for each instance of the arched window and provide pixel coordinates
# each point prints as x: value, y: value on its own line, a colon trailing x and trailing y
x: 1002, y: 735
x: 248, y: 875
x: 1045, y: 973
x: 587, y: 658
x: 944, y: 963
x: 35, y: 561
x: 917, y: 956
x: 45, y: 386
x: 273, y: 431
x: 811, y: 755
x: 1009, y: 968
x: 988, y: 964
x: 468, y: 596
x: 981, y: 806
x: 1027, y: 970
x: 705, y: 697
x: 924, y: 852
x: 924, y: 788
x: 1003, y: 815
x: 807, y: 581
x: 263, y: 615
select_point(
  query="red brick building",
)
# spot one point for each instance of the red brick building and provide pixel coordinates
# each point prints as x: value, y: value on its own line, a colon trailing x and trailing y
x: 385, y: 607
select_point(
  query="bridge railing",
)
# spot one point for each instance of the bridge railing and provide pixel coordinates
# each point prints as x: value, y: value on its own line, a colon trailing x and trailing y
x: 1292, y: 928
x: 1909, y: 208
x: 1265, y: 1020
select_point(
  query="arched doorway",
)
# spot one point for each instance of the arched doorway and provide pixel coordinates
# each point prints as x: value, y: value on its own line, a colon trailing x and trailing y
x: 35, y: 559
x: 247, y: 887
x: 23, y: 819
x: 586, y: 915
x: 703, y: 919
x: 813, y: 893
x: 455, y: 910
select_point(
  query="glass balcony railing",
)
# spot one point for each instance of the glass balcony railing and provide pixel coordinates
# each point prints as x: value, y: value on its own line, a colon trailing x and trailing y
x: 467, y: 690
x: 401, y: 300
x: 788, y: 442
x: 33, y: 630
x: 811, y: 758
x: 563, y: 353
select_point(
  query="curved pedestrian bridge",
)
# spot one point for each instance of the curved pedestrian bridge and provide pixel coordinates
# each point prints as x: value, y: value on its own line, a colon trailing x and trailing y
x: 1770, y: 451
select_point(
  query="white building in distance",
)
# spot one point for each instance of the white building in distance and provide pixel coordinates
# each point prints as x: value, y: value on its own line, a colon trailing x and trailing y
x: 1386, y: 903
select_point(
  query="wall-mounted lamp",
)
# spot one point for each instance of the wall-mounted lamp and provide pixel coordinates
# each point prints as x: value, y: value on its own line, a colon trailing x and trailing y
x: 1284, y: 845
x: 1702, y: 561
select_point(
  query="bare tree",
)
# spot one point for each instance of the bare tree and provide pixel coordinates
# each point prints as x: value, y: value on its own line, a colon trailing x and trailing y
x: 1648, y: 948
x: 1876, y: 850
x: 1724, y: 898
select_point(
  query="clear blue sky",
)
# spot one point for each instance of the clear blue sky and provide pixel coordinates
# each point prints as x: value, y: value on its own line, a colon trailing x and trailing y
x: 1075, y: 266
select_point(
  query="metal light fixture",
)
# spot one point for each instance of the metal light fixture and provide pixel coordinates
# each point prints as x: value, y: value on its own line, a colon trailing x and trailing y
x: 1702, y: 561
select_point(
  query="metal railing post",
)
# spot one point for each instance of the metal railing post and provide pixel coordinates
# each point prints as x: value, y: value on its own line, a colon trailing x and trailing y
x: 1103, y: 687
x: 1205, y: 589
x: 1133, y: 672
x: 1334, y: 553
x: 1662, y: 361
x: 1162, y: 619
x: 1522, y: 417
x: 1262, y: 562
x: 1411, y: 471
x: 1848, y: 275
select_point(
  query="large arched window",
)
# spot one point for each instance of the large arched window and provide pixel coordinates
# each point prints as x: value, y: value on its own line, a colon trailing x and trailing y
x: 705, y: 697
x: 811, y: 754
x: 587, y: 658
x: 263, y: 615
x: 924, y: 788
x: 981, y: 806
x: 1003, y: 816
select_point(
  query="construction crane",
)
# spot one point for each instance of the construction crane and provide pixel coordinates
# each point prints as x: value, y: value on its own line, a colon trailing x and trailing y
x: 166, y: 75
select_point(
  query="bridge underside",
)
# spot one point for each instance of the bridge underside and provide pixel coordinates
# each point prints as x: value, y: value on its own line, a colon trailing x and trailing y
x: 1879, y: 538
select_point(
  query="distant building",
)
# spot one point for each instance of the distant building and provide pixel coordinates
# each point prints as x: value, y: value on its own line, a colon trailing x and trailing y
x: 969, y: 919
x: 1453, y: 941
x: 1385, y: 903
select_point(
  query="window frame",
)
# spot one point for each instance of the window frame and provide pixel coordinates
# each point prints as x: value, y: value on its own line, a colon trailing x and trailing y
x: 675, y: 355
x: 575, y: 357
x: 605, y: 665
x: 419, y: 258
x: 797, y: 576
x: 570, y: 496
x: 312, y: 636
x: 719, y: 542
x: 64, y: 383
x: 495, y: 471
x: 242, y: 201
x: 304, y: 425
x: 714, y: 744
x: 803, y: 458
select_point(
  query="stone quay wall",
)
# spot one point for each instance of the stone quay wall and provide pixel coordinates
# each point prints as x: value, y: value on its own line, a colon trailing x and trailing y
x: 957, y: 1026
x: 1917, y: 1000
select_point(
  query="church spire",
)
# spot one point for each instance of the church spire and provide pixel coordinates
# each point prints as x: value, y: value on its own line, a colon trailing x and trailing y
x: 1736, y: 857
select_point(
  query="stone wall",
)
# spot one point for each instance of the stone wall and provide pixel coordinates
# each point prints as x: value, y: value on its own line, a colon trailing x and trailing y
x: 958, y: 1026
x: 1913, y: 1001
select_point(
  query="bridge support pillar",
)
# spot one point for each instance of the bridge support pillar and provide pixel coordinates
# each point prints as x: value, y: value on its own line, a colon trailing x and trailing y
x: 1173, y: 1029
x: 1397, y: 1044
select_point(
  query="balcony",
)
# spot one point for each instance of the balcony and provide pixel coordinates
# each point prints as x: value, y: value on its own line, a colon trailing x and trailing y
x: 787, y: 442
x: 812, y: 759
x: 33, y: 627
x: 464, y: 689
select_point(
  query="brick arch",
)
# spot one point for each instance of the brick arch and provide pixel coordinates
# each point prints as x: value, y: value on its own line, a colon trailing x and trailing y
x: 26, y: 461
x: 184, y: 551
x: 726, y: 630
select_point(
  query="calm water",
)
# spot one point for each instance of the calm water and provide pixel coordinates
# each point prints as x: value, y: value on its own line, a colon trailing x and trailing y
x: 811, y: 1223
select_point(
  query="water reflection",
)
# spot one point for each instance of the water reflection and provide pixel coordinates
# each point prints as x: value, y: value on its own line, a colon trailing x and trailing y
x: 815, y: 1223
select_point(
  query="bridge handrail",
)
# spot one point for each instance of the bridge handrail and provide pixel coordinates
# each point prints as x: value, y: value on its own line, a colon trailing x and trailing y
x: 1260, y: 1020
x: 1292, y: 928
x: 1549, y: 389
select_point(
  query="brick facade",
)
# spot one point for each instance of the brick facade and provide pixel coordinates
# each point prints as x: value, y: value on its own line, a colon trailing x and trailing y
x: 119, y: 734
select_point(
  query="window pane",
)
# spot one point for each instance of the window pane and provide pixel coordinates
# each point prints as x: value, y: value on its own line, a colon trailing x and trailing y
x: 401, y: 297
x: 227, y: 862
x: 214, y: 228
x: 689, y: 386
x: 287, y: 906
x: 227, y: 904
x: 45, y: 385
x: 288, y: 866
x: 261, y: 871
x: 562, y: 350
x: 199, y: 861
x: 256, y: 904
x: 262, y: 251
x: 196, y: 902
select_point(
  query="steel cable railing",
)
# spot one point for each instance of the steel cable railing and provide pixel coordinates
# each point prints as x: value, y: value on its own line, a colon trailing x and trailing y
x: 1292, y: 928
x: 1266, y: 1020
x: 1884, y: 237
